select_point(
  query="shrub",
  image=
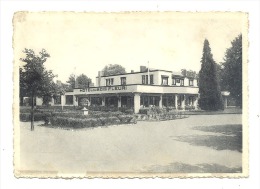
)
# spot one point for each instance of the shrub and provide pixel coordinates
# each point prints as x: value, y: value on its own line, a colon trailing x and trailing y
x: 129, y: 111
x: 25, y: 109
x: 180, y: 108
x: 70, y: 114
x: 83, y: 123
x: 27, y: 117
x: 144, y: 111
x: 188, y: 107
x: 125, y: 118
x: 46, y: 118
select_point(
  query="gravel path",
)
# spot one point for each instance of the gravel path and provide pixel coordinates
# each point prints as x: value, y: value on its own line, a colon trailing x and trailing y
x: 184, y: 145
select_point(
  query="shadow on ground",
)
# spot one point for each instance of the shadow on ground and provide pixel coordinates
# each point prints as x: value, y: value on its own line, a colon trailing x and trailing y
x: 178, y: 167
x: 231, y: 138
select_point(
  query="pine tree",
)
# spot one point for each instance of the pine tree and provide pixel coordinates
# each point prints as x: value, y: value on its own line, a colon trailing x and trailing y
x: 209, y: 90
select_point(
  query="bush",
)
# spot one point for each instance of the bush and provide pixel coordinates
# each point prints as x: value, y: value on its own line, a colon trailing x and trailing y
x: 70, y: 114
x: 129, y: 111
x: 144, y: 111
x: 180, y: 108
x: 188, y: 107
x: 27, y: 116
x: 125, y: 118
x: 25, y: 109
x: 71, y: 122
x: 83, y: 123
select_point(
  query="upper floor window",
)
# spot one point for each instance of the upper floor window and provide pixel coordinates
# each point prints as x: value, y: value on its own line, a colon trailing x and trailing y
x: 109, y: 81
x: 173, y: 81
x: 191, y: 82
x: 145, y: 79
x: 164, y: 80
x: 151, y: 79
x: 123, y: 80
x: 182, y: 82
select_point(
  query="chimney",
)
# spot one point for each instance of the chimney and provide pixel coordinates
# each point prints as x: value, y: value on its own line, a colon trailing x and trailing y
x: 132, y: 71
x: 99, y: 78
x: 143, y: 68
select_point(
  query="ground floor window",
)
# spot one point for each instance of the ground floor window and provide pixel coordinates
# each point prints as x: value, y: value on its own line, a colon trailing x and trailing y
x: 57, y: 99
x: 191, y: 100
x: 168, y: 101
x: 127, y: 101
x: 69, y: 99
x: 111, y: 101
x: 96, y: 101
x: 147, y: 101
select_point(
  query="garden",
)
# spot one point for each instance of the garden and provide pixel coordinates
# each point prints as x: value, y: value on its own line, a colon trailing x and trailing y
x: 73, y: 117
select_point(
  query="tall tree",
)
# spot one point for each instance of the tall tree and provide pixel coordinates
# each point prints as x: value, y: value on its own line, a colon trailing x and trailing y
x: 232, y: 70
x: 22, y: 87
x: 35, y: 79
x: 113, y: 69
x: 210, y: 94
x: 71, y: 81
x: 81, y: 81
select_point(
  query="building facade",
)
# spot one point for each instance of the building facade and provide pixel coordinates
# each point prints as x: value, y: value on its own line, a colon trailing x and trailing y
x: 146, y: 88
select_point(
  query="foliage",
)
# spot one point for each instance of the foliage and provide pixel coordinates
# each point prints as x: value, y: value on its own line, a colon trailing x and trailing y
x: 189, y: 73
x: 143, y: 111
x: 113, y: 69
x: 90, y: 121
x: 232, y: 70
x: 210, y: 94
x: 71, y: 81
x: 27, y: 117
x: 35, y: 80
x: 83, y: 102
x: 61, y: 88
x: 82, y: 81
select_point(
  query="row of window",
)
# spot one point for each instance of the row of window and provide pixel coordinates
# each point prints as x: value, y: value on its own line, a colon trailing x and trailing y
x: 146, y: 80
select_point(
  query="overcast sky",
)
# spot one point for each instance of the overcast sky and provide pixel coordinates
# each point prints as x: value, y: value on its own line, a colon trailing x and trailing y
x: 85, y: 43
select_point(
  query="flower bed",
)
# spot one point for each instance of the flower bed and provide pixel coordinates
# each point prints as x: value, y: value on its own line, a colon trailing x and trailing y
x: 159, y: 114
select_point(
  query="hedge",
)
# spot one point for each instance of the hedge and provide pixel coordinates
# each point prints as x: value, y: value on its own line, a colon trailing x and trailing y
x: 69, y: 122
x: 27, y: 116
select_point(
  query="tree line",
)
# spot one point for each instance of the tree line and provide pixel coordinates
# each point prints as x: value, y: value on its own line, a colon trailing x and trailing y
x: 226, y: 76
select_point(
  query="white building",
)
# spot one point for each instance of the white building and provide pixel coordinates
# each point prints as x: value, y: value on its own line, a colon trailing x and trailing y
x: 153, y: 87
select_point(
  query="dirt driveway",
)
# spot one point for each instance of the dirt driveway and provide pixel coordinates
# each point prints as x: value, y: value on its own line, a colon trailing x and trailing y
x: 200, y: 144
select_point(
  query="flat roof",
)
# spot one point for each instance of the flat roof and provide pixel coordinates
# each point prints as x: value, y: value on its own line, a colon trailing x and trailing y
x: 137, y: 73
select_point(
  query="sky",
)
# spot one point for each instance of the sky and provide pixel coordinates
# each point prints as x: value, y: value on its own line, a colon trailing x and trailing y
x: 86, y: 42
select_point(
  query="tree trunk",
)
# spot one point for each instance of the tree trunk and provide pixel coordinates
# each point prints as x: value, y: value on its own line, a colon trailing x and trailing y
x: 32, y: 112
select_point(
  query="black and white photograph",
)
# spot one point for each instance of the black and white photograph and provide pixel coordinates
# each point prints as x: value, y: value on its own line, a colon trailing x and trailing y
x: 130, y: 94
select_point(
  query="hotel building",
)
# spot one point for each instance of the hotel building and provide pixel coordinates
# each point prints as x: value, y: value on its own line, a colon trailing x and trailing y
x: 146, y: 88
